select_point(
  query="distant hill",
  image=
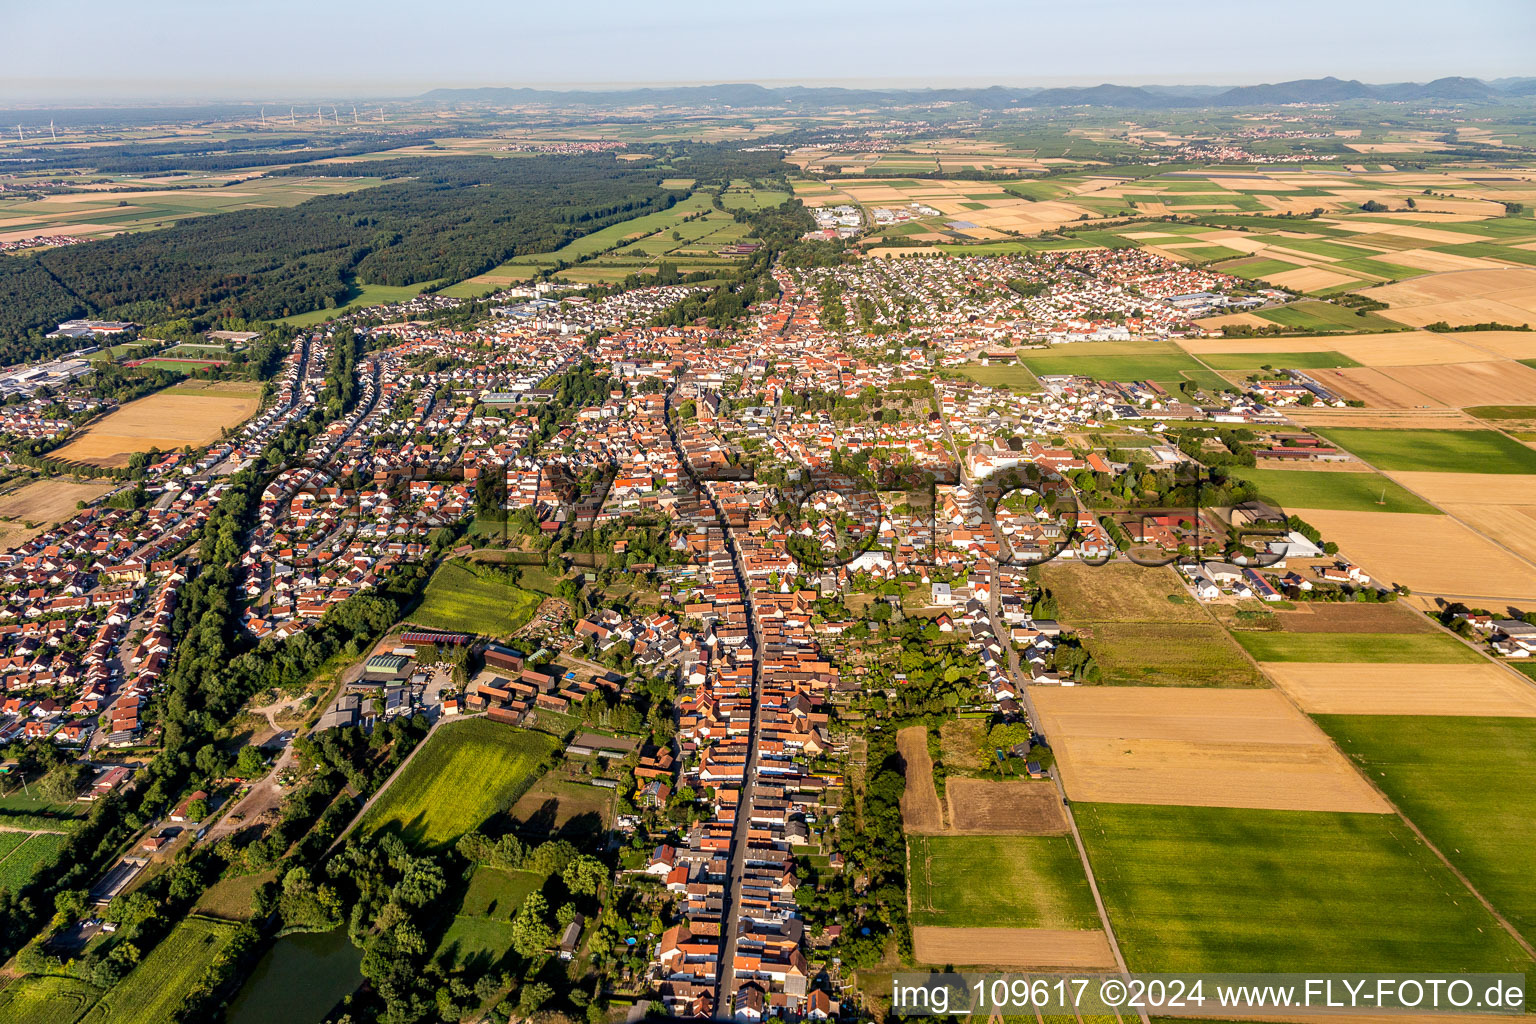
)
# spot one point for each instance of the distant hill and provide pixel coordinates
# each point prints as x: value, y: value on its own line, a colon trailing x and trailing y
x: 1306, y: 90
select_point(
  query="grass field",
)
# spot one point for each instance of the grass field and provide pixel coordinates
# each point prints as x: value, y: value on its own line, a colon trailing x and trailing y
x: 999, y: 882
x: 1162, y: 362
x: 459, y: 599
x: 1325, y: 316
x: 1358, y: 492
x: 1168, y: 654
x: 1001, y: 376
x: 1223, y: 889
x: 46, y: 999
x: 466, y: 773
x: 483, y: 926
x: 157, y: 985
x: 1253, y: 362
x: 364, y: 295
x: 1442, y: 451
x: 1407, y: 648
x: 1466, y: 782
x: 1502, y: 412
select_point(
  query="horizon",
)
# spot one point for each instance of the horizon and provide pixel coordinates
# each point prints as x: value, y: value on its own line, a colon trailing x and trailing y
x: 393, y: 52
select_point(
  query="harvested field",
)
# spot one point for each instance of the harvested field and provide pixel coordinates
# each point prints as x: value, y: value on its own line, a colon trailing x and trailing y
x: 1012, y: 947
x: 920, y: 811
x: 1462, y: 297
x: 1331, y: 689
x: 1410, y: 419
x: 983, y: 807
x: 1310, y: 279
x: 1196, y: 747
x: 1464, y: 384
x: 1432, y: 554
x: 1400, y: 348
x: 1471, y: 488
x: 1514, y: 526
x: 164, y: 420
x: 1375, y: 388
x: 49, y: 501
x: 1352, y: 618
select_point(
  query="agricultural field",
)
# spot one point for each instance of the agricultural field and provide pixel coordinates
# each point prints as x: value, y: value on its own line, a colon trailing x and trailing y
x: 46, y: 999
x: 458, y: 598
x: 1360, y: 492
x: 154, y: 988
x: 1435, y: 451
x: 1119, y: 592
x: 1195, y: 747
x: 1000, y: 375
x: 920, y: 810
x: 999, y: 882
x: 1254, y: 362
x: 1325, y: 316
x: 1167, y: 654
x: 1482, y: 294
x: 1380, y: 648
x: 1223, y: 889
x: 22, y: 855
x: 35, y: 506
x: 167, y: 420
x: 1404, y: 689
x: 1161, y: 362
x: 465, y: 773
x: 1011, y: 807
x: 1465, y: 781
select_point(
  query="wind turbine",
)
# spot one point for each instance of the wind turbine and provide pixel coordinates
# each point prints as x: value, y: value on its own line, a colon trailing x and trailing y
x: 51, y: 131
x: 291, y: 121
x: 263, y: 117
x: 335, y: 117
x: 354, y: 113
x: 319, y: 116
x: 18, y: 134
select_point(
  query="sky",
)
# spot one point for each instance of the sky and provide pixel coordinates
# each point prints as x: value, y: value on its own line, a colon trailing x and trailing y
x: 109, y: 51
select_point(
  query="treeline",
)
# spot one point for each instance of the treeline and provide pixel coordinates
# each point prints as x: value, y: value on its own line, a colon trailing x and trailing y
x: 220, y: 155
x: 454, y: 218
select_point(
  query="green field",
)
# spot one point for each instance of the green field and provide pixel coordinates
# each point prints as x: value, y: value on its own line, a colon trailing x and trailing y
x: 1502, y: 412
x: 1001, y: 376
x: 1466, y: 782
x: 483, y: 925
x: 46, y: 999
x: 1315, y: 488
x: 1325, y: 316
x: 1162, y: 362
x: 154, y: 988
x: 23, y: 859
x: 1224, y: 889
x: 459, y: 599
x: 1168, y: 654
x: 1254, y: 362
x: 467, y: 772
x: 1380, y: 648
x: 1258, y: 267
x: 999, y: 882
x: 1436, y: 451
x: 363, y: 295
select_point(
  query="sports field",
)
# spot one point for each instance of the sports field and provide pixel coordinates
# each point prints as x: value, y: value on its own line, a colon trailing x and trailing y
x: 1365, y: 492
x: 467, y: 772
x: 1222, y: 889
x: 166, y: 420
x: 154, y: 988
x: 1423, y: 648
x: 457, y: 598
x: 1466, y: 782
x: 1203, y: 747
x: 999, y: 882
x: 1437, y: 451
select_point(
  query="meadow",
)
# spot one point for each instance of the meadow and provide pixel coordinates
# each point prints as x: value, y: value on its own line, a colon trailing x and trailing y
x: 1442, y: 451
x: 483, y: 925
x: 1325, y: 316
x: 1224, y: 889
x: 1000, y: 375
x: 1405, y: 648
x: 1359, y: 492
x: 457, y: 598
x: 363, y: 295
x: 1466, y: 782
x: 1162, y: 362
x: 467, y: 772
x: 1254, y: 362
x: 999, y: 882
x: 154, y: 988
x: 1168, y: 654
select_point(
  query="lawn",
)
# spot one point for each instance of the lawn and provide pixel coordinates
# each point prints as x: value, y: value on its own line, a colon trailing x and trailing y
x: 1225, y: 889
x: 1435, y: 451
x: 1380, y: 648
x: 1316, y: 488
x: 154, y: 988
x: 1001, y: 376
x: 999, y: 882
x: 1254, y: 362
x: 46, y: 999
x: 460, y: 599
x: 1168, y: 654
x: 467, y: 772
x: 483, y: 925
x: 1162, y: 362
x: 1466, y: 782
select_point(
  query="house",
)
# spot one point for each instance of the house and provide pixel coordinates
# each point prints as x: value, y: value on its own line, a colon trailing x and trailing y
x: 571, y: 938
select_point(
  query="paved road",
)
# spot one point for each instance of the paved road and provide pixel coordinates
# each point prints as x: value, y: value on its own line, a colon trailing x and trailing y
x: 725, y: 987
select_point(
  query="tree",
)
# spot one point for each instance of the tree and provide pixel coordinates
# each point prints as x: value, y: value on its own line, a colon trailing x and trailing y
x: 250, y: 764
x: 531, y: 934
x: 532, y: 997
x: 61, y: 783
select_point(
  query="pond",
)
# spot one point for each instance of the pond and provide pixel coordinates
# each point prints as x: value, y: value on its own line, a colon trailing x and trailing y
x: 298, y: 981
